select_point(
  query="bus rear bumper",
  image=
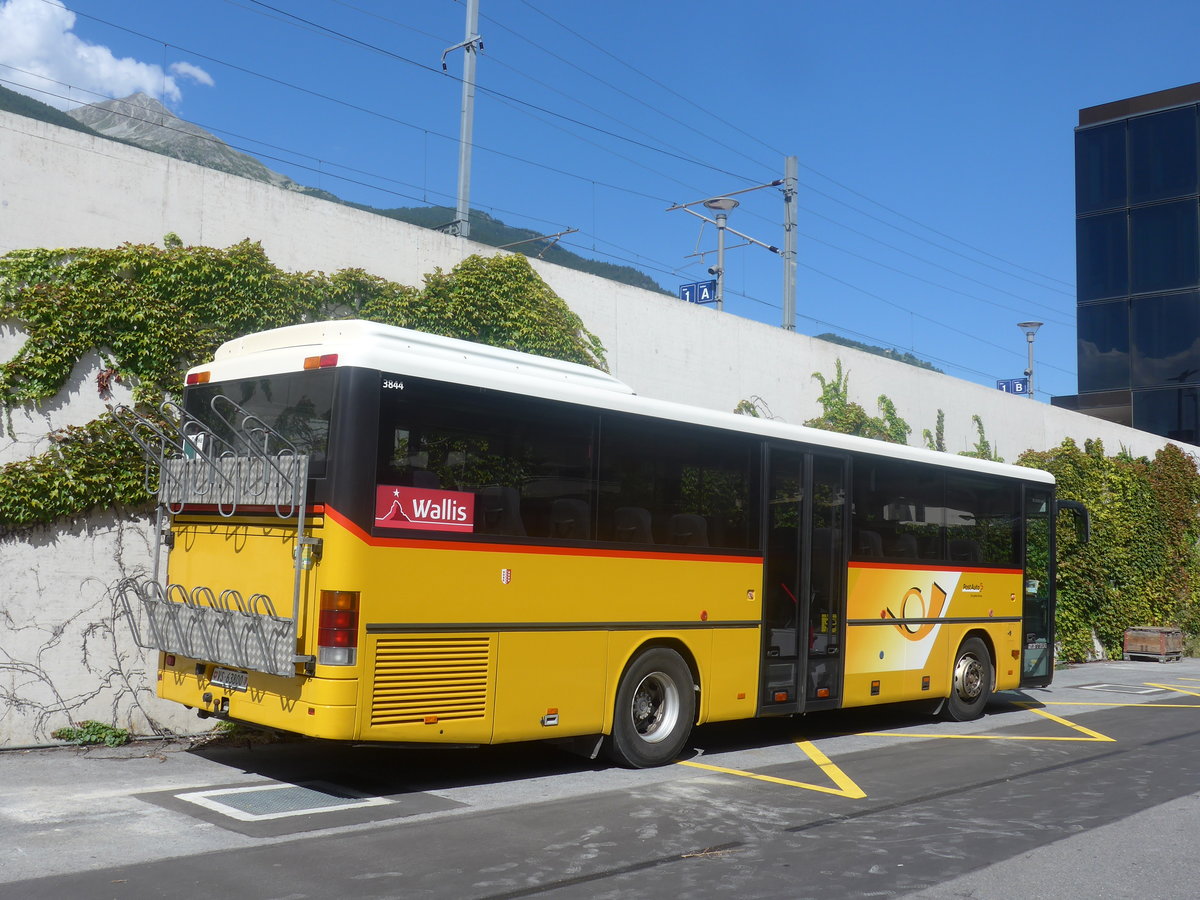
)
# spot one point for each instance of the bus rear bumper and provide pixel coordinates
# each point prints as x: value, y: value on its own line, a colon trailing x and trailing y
x: 317, y: 707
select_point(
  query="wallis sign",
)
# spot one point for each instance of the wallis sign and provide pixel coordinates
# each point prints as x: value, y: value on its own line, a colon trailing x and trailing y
x: 424, y: 509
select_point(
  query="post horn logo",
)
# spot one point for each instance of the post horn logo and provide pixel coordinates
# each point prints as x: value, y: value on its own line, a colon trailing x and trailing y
x: 914, y: 621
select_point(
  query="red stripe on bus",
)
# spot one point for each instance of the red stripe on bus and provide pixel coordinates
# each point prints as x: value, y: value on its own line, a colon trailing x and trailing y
x: 251, y: 509
x: 932, y: 567
x: 414, y: 544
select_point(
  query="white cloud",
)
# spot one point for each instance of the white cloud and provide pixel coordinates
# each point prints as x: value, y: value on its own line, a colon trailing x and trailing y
x: 42, y: 57
x: 187, y: 70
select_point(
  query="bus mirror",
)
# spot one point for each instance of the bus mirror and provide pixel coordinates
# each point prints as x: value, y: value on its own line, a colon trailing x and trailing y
x: 1083, y: 522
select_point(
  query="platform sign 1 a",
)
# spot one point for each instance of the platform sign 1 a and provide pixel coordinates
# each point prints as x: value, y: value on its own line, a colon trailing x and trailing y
x: 698, y: 292
x: 1014, y: 386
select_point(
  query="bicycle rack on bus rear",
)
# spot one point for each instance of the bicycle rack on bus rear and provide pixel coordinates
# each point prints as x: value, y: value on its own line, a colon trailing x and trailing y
x: 187, y: 463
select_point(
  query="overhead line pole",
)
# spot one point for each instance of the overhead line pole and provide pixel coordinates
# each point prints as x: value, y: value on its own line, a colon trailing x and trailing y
x: 721, y: 205
x: 790, y: 182
x: 470, y: 45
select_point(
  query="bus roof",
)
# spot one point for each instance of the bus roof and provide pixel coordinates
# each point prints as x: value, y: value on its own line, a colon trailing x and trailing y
x: 416, y: 354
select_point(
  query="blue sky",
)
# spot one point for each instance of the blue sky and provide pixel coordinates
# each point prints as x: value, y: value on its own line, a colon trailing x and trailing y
x: 934, y: 138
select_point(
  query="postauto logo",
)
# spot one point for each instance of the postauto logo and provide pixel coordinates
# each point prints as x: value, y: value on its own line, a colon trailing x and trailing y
x: 424, y: 509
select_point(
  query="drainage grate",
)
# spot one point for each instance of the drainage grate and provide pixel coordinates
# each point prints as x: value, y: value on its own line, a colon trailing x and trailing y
x: 277, y: 801
x: 1122, y: 688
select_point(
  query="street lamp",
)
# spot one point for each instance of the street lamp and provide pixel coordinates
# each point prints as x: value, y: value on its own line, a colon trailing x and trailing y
x: 1030, y: 329
x: 721, y: 206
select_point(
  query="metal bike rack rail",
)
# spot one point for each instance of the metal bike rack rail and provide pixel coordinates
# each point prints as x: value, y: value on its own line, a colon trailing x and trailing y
x: 188, y: 464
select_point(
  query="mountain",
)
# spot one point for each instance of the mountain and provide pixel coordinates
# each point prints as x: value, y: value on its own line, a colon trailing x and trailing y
x: 491, y: 231
x: 887, y: 352
x: 144, y: 122
x: 11, y: 101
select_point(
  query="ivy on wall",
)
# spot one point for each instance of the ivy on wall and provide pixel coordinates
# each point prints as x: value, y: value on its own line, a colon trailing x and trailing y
x: 151, y: 313
x: 1141, y: 567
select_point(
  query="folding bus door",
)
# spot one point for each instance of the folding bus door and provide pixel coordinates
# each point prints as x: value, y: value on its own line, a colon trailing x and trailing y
x: 804, y: 586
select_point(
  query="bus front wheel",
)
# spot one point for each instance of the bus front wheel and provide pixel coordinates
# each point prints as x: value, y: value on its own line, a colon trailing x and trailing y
x: 971, y: 681
x: 655, y: 709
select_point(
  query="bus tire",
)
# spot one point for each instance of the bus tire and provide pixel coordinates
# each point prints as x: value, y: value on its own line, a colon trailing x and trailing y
x: 970, y: 682
x: 654, y: 712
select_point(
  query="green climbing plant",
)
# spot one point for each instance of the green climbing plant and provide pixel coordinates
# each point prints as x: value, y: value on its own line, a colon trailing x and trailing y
x: 1141, y: 566
x: 152, y: 312
x: 983, y: 448
x: 936, y: 439
x: 841, y: 414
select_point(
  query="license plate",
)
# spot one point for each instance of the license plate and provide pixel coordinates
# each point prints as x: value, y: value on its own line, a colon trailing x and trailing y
x: 230, y: 679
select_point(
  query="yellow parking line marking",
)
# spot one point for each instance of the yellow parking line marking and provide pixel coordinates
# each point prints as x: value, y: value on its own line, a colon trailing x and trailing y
x: 845, y: 786
x: 1095, y: 735
x: 1095, y: 703
x: 1171, y: 687
x: 1091, y: 736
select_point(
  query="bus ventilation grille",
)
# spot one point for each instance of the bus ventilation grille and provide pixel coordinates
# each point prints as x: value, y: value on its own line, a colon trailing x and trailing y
x: 418, y: 677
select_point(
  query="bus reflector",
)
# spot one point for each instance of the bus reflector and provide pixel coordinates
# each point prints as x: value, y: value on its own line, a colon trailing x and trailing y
x: 320, y: 362
x: 822, y: 693
x: 337, y: 630
x: 199, y: 377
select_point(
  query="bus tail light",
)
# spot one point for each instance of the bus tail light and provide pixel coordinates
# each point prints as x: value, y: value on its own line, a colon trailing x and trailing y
x: 323, y: 361
x: 337, y: 630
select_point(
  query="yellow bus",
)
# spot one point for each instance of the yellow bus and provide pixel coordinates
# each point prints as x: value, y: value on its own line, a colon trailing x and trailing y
x: 374, y: 534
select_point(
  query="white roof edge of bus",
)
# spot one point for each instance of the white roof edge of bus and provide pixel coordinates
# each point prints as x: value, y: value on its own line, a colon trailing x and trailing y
x: 372, y: 345
x: 416, y: 354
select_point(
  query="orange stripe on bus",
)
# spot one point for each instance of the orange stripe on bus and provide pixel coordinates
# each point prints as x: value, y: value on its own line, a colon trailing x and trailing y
x: 414, y: 544
x: 922, y: 566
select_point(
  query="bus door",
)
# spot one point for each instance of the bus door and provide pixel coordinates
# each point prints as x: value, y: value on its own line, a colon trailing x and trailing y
x: 804, y: 585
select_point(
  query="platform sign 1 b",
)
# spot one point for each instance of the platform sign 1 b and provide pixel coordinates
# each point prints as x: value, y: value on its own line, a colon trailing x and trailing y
x: 698, y: 292
x: 1014, y: 386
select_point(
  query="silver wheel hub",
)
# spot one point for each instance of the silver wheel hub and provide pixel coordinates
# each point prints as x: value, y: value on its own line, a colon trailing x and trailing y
x: 968, y: 677
x: 655, y: 707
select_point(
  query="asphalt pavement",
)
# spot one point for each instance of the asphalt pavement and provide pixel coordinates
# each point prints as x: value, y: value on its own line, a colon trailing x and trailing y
x: 1090, y: 788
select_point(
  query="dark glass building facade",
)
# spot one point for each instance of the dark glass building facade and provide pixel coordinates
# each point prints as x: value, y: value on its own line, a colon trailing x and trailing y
x: 1137, y: 221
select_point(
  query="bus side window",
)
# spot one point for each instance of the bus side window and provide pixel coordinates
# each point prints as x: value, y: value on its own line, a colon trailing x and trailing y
x: 898, y: 511
x: 631, y: 525
x: 500, y: 511
x: 673, y: 484
x: 570, y: 519
x: 982, y: 521
x: 689, y: 530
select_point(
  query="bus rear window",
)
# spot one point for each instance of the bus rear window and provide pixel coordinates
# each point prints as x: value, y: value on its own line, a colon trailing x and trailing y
x: 296, y: 405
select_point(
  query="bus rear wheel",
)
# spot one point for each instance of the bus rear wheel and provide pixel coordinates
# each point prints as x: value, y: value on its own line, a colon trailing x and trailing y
x: 971, y: 681
x: 655, y: 709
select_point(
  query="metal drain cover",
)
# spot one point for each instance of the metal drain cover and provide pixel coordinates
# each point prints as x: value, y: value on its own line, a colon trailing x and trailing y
x: 1122, y: 688
x: 262, y: 802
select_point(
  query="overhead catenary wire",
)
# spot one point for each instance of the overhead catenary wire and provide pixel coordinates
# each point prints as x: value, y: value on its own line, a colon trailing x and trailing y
x: 333, y: 33
x: 500, y: 94
x: 591, y: 74
x: 708, y: 111
x: 640, y: 260
x: 427, y: 131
